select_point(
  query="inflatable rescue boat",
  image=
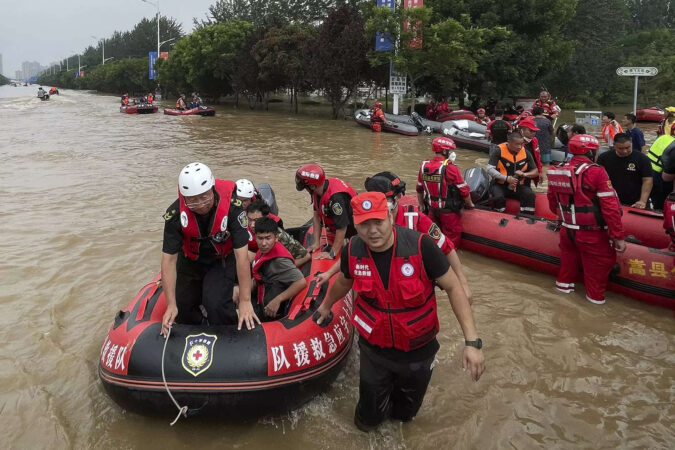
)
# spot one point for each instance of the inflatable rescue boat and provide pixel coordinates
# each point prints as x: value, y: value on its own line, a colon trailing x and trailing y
x: 219, y: 370
x: 653, y: 114
x: 143, y: 108
x: 362, y: 117
x: 645, y: 271
x: 200, y: 111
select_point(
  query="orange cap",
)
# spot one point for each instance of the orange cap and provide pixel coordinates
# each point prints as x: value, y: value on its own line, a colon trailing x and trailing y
x: 369, y: 205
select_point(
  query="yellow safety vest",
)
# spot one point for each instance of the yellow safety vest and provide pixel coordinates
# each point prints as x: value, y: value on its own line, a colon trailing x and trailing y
x: 656, y: 150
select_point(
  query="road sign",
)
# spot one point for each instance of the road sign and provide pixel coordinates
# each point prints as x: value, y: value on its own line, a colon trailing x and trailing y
x: 397, y: 85
x: 637, y: 71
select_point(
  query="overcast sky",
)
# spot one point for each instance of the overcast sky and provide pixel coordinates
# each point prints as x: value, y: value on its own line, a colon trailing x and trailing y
x: 49, y: 30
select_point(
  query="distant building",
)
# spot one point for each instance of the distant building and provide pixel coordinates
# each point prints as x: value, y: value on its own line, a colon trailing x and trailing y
x: 30, y: 69
x: 18, y: 75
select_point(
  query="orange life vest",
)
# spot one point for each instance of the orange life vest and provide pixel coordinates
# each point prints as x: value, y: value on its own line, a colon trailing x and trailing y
x: 508, y: 162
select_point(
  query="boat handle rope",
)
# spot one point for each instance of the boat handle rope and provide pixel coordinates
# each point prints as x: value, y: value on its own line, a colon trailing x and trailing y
x: 182, y: 410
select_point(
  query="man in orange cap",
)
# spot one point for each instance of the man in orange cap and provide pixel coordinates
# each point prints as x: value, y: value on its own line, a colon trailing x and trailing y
x: 393, y: 270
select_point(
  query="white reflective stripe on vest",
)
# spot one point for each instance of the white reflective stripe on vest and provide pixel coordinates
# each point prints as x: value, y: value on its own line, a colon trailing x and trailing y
x: 560, y: 172
x: 364, y: 325
x: 605, y: 194
x: 410, y: 215
x: 441, y: 241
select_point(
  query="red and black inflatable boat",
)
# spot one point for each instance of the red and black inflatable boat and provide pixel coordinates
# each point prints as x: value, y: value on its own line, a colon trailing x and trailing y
x: 218, y: 370
x: 200, y: 111
x: 645, y: 271
x: 144, y: 108
x: 460, y: 114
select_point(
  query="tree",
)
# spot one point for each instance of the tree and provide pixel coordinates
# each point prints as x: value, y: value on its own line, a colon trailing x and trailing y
x: 3, y: 80
x: 651, y: 14
x: 205, y: 59
x: 339, y: 56
x: 265, y: 14
x: 282, y: 56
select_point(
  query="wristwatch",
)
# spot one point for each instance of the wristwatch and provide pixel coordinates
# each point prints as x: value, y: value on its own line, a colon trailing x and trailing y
x: 331, y: 253
x: 478, y: 343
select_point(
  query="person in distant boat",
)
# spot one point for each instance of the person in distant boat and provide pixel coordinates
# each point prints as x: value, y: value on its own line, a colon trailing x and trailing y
x: 551, y: 110
x: 332, y: 210
x: 41, y: 92
x: 205, y: 246
x: 481, y: 118
x: 442, y: 109
x: 393, y: 271
x: 582, y: 194
x: 125, y: 100
x: 196, y: 101
x: 180, y: 103
x: 509, y: 166
x: 431, y: 110
x: 150, y: 98
x: 377, y: 118
x: 276, y: 277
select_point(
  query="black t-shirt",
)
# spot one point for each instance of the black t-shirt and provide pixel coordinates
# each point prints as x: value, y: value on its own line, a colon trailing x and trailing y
x: 173, y: 232
x: 435, y: 266
x: 626, y: 174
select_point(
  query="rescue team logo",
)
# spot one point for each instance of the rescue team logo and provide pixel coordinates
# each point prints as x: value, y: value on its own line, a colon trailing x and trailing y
x: 337, y: 209
x: 198, y: 353
x: 169, y: 215
x: 631, y: 167
x: 223, y: 224
x: 183, y: 219
x: 407, y: 269
x: 366, y: 205
x: 435, y: 232
x: 243, y: 220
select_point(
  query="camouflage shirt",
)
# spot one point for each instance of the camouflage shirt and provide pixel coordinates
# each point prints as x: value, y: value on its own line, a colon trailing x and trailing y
x: 294, y: 247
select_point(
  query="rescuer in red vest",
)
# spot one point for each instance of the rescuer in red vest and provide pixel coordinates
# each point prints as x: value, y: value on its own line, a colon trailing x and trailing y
x: 668, y: 160
x: 205, y: 246
x: 332, y: 210
x: 582, y: 194
x: 442, y: 191
x: 393, y: 271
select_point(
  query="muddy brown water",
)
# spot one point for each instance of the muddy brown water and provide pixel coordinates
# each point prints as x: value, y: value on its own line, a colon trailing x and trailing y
x: 83, y: 191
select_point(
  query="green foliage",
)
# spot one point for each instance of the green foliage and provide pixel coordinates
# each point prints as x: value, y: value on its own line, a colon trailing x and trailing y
x: 205, y: 59
x: 3, y: 80
x: 264, y: 14
x: 339, y: 63
x: 127, y: 75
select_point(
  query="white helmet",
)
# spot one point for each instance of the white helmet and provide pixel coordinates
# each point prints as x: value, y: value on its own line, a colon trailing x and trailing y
x: 245, y: 189
x: 195, y: 179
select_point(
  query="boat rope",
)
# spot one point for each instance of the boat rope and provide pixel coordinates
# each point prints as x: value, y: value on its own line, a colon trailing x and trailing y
x: 182, y: 410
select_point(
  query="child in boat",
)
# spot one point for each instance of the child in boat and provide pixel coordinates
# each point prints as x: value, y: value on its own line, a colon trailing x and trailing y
x: 277, y: 279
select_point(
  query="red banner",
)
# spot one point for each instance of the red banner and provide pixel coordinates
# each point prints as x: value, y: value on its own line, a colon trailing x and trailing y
x: 415, y: 42
x: 164, y: 55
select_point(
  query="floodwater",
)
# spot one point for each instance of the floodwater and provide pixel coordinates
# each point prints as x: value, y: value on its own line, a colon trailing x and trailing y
x: 83, y: 191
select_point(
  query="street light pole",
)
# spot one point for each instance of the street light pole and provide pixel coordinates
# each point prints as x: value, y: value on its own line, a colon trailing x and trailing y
x: 157, y: 5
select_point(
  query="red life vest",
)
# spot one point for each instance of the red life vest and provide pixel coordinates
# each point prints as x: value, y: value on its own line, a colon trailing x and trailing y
x: 335, y: 186
x: 408, y: 216
x: 403, y: 315
x: 377, y: 115
x: 548, y: 106
x: 669, y: 216
x: 439, y: 194
x: 252, y: 243
x: 278, y: 251
x: 192, y: 237
x: 579, y: 211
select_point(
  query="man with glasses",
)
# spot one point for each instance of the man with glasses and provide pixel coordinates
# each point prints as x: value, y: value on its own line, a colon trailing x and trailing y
x: 205, y: 245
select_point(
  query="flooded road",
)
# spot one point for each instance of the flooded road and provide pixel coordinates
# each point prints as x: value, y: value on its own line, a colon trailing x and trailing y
x: 83, y: 190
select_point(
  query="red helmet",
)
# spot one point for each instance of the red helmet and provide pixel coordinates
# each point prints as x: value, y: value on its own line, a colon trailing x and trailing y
x: 440, y: 144
x: 481, y: 110
x: 309, y: 175
x: 378, y: 105
x: 580, y: 144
